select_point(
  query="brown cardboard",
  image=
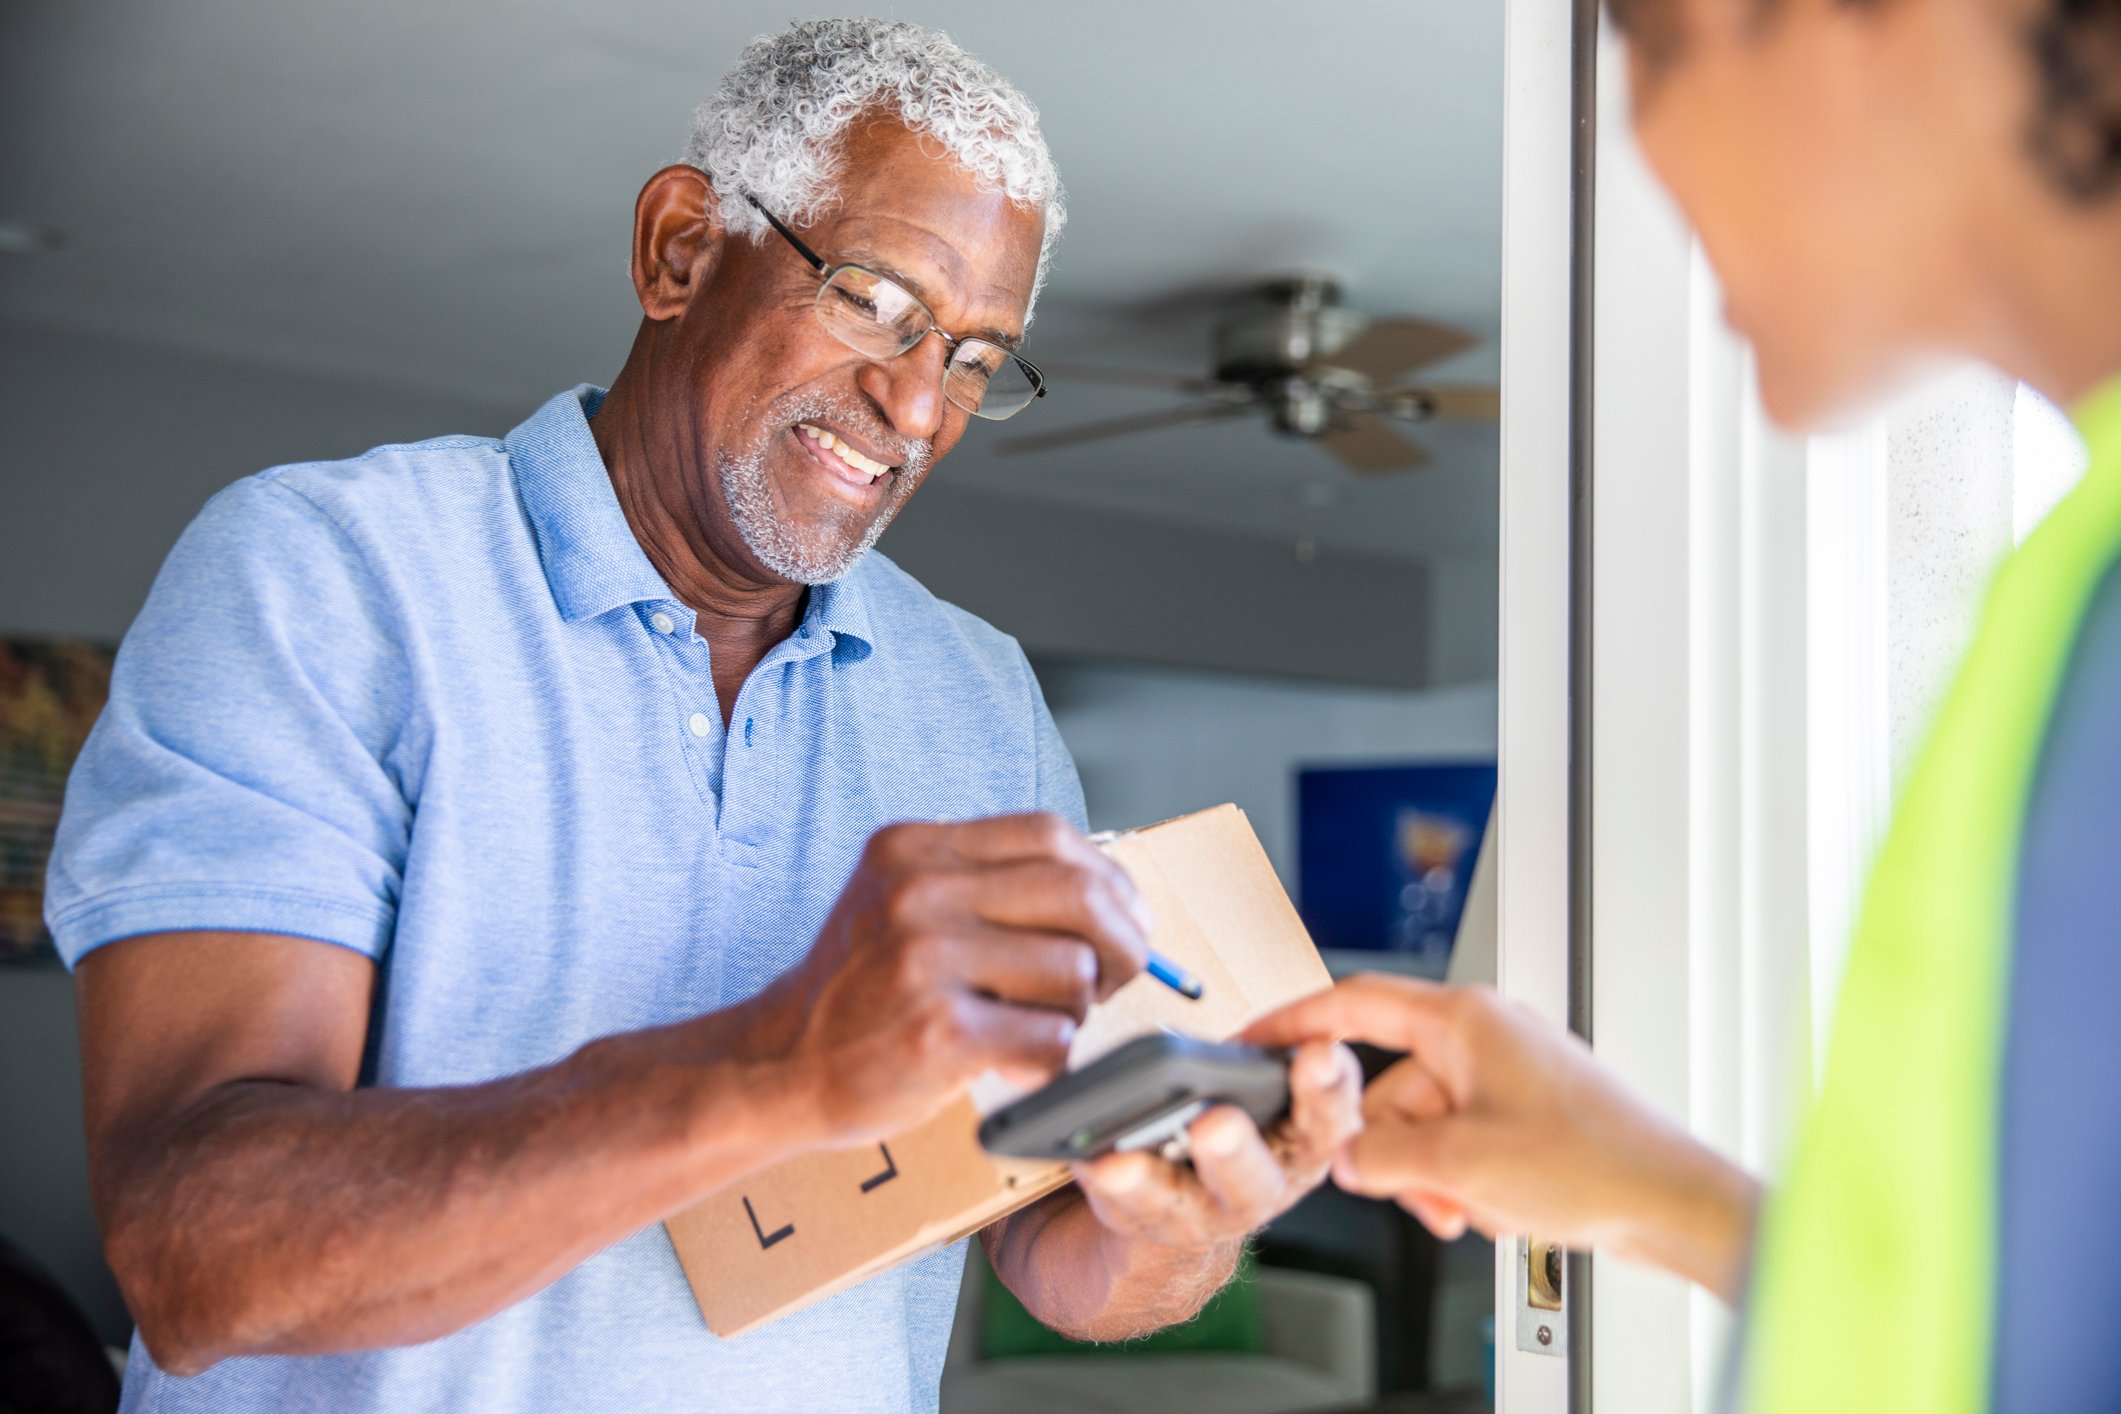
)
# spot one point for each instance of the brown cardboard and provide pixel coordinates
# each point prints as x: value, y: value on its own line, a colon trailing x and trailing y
x: 815, y: 1225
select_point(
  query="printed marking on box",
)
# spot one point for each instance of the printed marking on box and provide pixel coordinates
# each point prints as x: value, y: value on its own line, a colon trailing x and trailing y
x: 767, y: 1239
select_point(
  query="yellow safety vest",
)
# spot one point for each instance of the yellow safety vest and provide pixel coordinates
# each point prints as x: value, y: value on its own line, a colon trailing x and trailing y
x: 1875, y: 1283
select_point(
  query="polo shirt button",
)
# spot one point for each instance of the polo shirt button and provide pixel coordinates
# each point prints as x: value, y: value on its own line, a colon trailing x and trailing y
x: 699, y: 724
x: 662, y: 622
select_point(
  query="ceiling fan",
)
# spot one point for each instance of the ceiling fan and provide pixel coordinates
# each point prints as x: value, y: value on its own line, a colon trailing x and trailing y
x: 1319, y: 370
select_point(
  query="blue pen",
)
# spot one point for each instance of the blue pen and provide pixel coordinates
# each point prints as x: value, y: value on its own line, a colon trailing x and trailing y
x: 1164, y: 970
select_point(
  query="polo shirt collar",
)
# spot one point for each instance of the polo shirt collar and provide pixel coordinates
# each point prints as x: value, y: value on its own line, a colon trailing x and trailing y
x: 592, y: 562
x: 841, y: 608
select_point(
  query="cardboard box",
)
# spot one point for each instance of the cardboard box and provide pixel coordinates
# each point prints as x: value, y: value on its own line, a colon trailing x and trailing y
x: 798, y: 1232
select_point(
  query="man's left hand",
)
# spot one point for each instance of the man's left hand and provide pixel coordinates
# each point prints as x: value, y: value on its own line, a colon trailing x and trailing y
x: 1240, y: 1179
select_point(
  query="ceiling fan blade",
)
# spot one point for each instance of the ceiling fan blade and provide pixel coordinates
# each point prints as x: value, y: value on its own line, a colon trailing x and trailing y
x: 1065, y: 373
x: 1390, y: 348
x: 1371, y: 446
x: 1185, y: 416
x: 1457, y: 402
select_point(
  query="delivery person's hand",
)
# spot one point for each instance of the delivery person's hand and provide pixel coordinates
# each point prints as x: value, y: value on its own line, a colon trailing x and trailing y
x: 1499, y: 1120
x: 1238, y: 1179
x: 953, y: 950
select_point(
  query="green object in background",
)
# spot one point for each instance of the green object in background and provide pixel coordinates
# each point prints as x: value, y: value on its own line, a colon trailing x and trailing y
x: 1231, y: 1322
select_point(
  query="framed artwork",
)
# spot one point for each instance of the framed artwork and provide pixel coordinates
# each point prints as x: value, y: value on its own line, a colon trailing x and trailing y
x: 1385, y: 853
x: 51, y: 691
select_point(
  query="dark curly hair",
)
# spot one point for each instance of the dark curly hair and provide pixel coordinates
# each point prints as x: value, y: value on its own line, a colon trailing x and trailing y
x: 2075, y: 135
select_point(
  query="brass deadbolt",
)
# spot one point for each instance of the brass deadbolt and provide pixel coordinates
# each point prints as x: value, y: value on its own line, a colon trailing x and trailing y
x: 1542, y: 1286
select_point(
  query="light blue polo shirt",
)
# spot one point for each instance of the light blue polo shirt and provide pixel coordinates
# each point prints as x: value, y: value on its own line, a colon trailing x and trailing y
x: 434, y: 704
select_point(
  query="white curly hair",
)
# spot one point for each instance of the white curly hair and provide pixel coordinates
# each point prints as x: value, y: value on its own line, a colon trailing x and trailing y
x: 773, y: 128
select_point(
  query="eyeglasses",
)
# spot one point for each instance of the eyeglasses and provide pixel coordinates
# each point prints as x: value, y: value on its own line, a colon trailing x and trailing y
x: 879, y: 318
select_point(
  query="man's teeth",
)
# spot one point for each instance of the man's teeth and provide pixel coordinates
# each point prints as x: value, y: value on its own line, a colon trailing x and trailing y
x: 868, y: 466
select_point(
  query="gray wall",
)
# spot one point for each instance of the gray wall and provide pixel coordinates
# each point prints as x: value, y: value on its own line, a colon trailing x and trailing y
x: 43, y: 1167
x: 1151, y: 743
x: 107, y: 449
x: 1071, y: 582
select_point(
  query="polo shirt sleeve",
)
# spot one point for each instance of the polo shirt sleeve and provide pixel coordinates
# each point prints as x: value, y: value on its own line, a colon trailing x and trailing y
x: 1060, y: 789
x: 243, y: 777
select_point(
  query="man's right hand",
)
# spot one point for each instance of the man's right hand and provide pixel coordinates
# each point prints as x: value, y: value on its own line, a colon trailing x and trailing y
x: 953, y: 950
x: 256, y: 1199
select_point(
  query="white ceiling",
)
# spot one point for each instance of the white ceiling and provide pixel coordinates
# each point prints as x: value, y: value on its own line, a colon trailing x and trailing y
x: 414, y: 191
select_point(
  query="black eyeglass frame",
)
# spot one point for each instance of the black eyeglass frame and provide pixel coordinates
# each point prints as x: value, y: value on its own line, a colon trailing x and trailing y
x: 951, y: 342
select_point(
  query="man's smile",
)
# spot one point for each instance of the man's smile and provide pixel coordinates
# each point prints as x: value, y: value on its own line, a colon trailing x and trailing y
x: 840, y: 457
x: 808, y: 511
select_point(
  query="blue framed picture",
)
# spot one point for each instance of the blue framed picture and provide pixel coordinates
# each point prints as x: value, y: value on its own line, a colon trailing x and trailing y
x: 1384, y: 854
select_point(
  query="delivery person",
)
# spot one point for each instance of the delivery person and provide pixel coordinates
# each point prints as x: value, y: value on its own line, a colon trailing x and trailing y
x: 487, y: 850
x: 1876, y: 182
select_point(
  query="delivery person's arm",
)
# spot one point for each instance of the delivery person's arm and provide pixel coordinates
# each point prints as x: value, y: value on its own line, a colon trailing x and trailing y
x: 254, y: 1201
x: 1500, y: 1121
x: 1140, y: 1243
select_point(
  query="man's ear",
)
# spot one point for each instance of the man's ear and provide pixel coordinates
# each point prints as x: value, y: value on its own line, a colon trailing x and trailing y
x: 677, y: 239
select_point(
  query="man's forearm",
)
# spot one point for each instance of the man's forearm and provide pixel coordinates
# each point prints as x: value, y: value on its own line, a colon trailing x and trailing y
x: 283, y: 1219
x: 1090, y: 1283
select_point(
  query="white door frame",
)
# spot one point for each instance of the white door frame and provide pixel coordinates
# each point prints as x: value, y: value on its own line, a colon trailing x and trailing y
x: 1695, y: 607
x: 1542, y: 918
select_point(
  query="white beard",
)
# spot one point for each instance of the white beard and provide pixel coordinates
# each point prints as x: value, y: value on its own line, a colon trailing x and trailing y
x: 804, y: 554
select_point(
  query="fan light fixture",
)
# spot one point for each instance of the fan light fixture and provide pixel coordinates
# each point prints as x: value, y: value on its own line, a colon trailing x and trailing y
x: 1319, y: 370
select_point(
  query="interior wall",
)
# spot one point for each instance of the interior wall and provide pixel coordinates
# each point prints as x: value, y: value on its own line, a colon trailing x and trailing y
x: 1073, y: 581
x: 44, y: 1206
x: 1151, y: 743
x: 1465, y: 618
x: 108, y: 448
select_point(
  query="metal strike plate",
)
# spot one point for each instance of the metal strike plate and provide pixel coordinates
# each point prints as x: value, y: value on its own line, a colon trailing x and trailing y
x: 1540, y: 1297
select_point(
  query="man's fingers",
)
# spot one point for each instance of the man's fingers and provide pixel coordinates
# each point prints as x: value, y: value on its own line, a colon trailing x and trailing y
x: 1235, y: 1165
x: 979, y: 1033
x: 1054, y: 897
x: 1398, y: 1013
x: 1042, y: 836
x: 1325, y: 1107
x: 1037, y: 873
x: 1006, y: 839
x: 1136, y: 1191
x: 1031, y: 969
x: 1000, y: 838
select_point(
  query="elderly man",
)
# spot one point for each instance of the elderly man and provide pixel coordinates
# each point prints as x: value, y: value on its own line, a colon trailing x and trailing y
x: 487, y: 851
